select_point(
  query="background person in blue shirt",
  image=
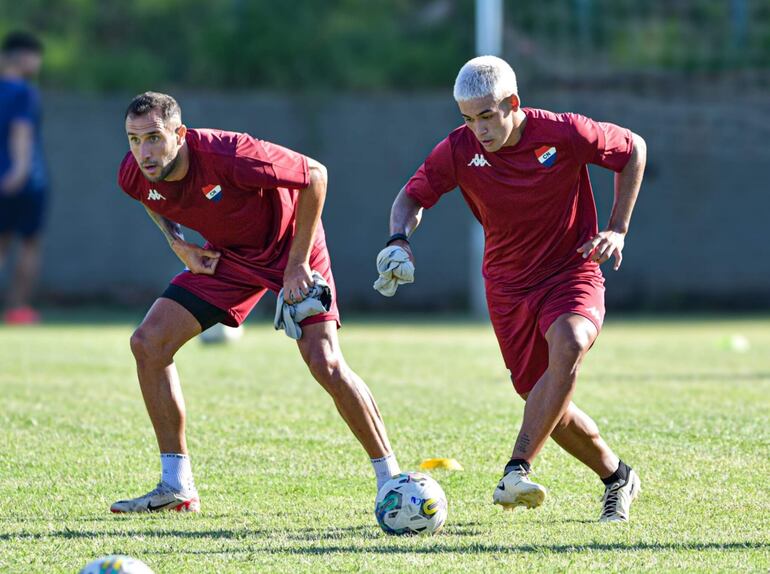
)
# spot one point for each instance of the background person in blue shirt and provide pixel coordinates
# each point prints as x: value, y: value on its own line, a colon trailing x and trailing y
x: 23, y: 179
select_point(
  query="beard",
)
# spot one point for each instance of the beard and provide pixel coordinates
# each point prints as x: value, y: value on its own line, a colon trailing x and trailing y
x: 165, y: 171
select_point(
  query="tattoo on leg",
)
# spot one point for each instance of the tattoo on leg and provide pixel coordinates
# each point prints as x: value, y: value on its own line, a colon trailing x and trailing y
x: 522, y: 444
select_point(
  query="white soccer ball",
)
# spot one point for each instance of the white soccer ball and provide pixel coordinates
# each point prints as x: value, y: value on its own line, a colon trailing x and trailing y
x: 116, y: 564
x: 220, y: 333
x: 411, y: 503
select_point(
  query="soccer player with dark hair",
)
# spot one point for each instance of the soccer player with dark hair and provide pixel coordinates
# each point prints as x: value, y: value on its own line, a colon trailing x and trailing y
x: 523, y: 173
x: 23, y: 177
x: 258, y: 205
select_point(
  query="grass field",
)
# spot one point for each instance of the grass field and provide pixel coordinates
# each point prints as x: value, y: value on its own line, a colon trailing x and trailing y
x: 285, y: 488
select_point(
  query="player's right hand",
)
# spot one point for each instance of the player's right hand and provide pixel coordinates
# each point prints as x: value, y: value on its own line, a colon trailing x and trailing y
x: 198, y: 260
x: 604, y: 245
x: 406, y: 247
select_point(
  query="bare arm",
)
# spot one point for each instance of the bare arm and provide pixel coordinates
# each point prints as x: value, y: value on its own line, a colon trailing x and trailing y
x: 20, y: 148
x: 197, y: 259
x: 611, y: 241
x: 297, y: 280
x: 405, y: 217
x: 627, y: 185
x: 171, y: 230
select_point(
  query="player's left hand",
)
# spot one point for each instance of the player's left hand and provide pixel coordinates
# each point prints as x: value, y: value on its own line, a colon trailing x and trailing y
x: 603, y: 246
x: 297, y: 282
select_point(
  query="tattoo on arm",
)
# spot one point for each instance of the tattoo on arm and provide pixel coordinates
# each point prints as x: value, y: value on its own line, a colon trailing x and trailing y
x: 171, y: 230
x: 522, y: 444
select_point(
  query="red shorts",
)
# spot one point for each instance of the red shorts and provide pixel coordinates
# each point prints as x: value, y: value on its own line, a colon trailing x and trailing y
x: 520, y: 322
x: 236, y: 289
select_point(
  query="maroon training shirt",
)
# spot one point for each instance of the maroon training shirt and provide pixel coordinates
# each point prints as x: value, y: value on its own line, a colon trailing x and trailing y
x: 240, y: 194
x: 534, y: 199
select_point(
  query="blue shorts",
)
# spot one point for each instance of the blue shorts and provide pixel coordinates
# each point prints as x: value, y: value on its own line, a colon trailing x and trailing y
x: 22, y: 214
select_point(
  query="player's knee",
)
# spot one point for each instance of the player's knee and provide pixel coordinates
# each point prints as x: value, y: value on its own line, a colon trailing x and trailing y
x: 571, y: 343
x: 574, y: 347
x: 140, y: 344
x: 147, y: 344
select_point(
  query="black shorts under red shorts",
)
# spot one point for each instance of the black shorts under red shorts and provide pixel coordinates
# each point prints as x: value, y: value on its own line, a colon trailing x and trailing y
x: 235, y: 293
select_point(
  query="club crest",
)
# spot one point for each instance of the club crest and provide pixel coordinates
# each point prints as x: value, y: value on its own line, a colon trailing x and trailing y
x: 546, y: 155
x: 212, y: 192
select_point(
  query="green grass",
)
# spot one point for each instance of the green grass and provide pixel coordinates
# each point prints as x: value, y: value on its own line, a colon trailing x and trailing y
x: 285, y: 488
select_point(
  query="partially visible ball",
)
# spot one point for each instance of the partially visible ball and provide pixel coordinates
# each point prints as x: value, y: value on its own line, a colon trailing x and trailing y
x: 220, y: 333
x: 116, y: 564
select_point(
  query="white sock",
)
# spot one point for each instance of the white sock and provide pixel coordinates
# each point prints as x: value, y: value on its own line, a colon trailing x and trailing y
x: 385, y: 468
x: 176, y: 471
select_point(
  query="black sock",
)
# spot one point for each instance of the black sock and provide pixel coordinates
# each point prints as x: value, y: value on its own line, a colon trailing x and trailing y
x: 517, y: 463
x: 620, y: 474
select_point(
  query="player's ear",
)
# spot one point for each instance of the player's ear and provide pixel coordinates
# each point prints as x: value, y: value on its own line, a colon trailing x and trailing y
x: 181, y: 131
x: 515, y: 102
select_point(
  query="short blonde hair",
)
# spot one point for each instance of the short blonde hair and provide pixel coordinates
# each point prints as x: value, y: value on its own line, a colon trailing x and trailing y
x: 485, y: 76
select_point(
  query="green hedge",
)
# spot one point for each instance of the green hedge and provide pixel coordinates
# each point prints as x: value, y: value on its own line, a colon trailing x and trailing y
x: 277, y: 44
x: 306, y: 45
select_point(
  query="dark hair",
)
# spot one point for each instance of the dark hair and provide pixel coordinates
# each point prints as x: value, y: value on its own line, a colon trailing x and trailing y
x: 20, y: 41
x: 149, y: 101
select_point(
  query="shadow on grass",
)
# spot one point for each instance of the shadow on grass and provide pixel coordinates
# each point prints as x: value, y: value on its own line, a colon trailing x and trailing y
x: 438, y: 546
x: 571, y: 520
x: 68, y: 533
x: 372, y: 533
x: 394, y: 545
x: 295, y: 534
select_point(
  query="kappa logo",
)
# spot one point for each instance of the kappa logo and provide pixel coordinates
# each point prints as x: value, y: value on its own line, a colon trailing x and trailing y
x: 546, y: 155
x: 212, y: 192
x: 479, y: 161
x: 154, y: 195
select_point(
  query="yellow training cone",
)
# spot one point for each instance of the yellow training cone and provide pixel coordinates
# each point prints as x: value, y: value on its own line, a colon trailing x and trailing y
x: 442, y: 463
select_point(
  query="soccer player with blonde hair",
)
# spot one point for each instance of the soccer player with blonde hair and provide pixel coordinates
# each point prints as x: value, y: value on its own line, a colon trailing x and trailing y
x: 524, y: 174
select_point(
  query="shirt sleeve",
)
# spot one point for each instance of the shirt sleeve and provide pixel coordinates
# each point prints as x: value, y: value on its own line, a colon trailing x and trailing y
x: 435, y: 177
x: 263, y: 165
x: 601, y: 143
x: 127, y: 177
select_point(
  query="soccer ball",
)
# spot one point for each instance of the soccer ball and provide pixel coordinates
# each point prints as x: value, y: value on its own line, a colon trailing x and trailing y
x: 411, y: 503
x: 220, y: 333
x: 116, y: 564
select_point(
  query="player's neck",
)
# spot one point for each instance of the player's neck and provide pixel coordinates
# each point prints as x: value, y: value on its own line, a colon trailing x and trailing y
x: 182, y: 164
x: 519, y: 124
